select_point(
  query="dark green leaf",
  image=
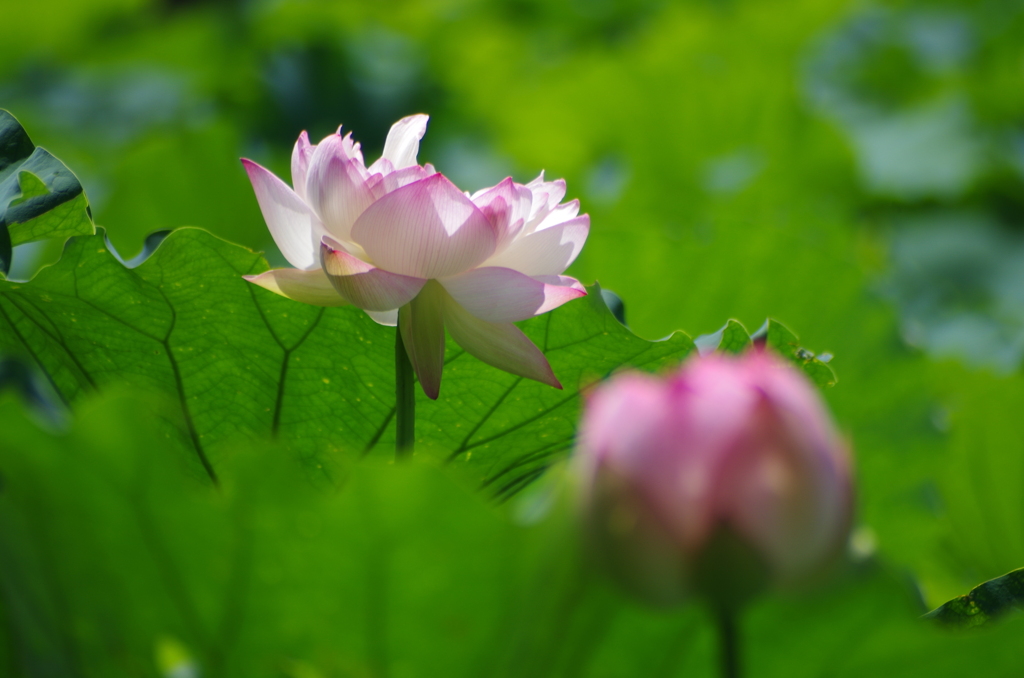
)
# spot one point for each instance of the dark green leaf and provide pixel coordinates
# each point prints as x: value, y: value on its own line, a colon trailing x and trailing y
x: 6, y: 251
x: 985, y: 603
x: 39, y: 196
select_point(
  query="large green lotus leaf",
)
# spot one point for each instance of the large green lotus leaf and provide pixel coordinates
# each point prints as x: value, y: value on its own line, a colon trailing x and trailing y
x: 39, y: 196
x: 115, y: 563
x: 244, y: 362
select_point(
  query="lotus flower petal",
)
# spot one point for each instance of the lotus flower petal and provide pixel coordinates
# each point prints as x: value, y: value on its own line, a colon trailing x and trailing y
x: 421, y: 323
x: 300, y: 164
x: 288, y: 217
x: 403, y: 142
x: 546, y: 252
x: 366, y: 286
x: 310, y: 287
x: 388, y: 318
x: 501, y: 345
x: 506, y: 206
x: 427, y: 229
x: 336, y: 186
x: 559, y: 214
x: 502, y: 295
x: 546, y: 196
x: 403, y: 177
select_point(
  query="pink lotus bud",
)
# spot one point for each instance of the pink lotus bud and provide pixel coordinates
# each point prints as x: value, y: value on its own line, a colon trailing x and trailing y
x: 715, y: 481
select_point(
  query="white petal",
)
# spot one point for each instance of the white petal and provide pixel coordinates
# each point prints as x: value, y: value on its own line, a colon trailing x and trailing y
x: 427, y: 229
x: 546, y: 252
x: 309, y: 287
x: 288, y: 217
x: 501, y: 345
x: 559, y: 214
x: 382, y: 166
x: 402, y: 177
x: 366, y: 286
x: 300, y: 164
x: 506, y: 206
x: 422, y: 326
x: 387, y: 318
x: 403, y: 142
x: 336, y: 186
x: 502, y: 295
x: 546, y: 194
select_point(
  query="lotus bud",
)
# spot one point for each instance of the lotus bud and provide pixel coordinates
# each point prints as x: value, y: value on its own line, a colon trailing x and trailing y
x: 717, y: 481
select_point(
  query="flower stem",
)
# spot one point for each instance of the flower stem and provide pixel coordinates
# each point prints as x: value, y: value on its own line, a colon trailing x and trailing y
x: 405, y: 401
x: 728, y: 643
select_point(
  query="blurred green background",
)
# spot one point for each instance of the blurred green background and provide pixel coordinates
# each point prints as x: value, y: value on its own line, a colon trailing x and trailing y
x: 853, y: 169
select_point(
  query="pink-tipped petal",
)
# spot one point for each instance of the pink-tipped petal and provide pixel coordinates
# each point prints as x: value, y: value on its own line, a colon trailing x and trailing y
x: 506, y: 206
x: 381, y: 166
x: 403, y: 142
x: 421, y: 323
x: 501, y: 345
x: 301, y: 154
x: 366, y: 286
x: 546, y: 252
x: 309, y: 287
x: 546, y: 194
x: 559, y: 214
x: 387, y: 318
x: 502, y: 295
x: 288, y: 217
x: 402, y: 177
x: 336, y: 186
x: 427, y: 229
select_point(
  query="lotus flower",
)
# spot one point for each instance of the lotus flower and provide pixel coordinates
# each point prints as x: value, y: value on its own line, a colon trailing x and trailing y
x: 717, y: 480
x: 401, y: 242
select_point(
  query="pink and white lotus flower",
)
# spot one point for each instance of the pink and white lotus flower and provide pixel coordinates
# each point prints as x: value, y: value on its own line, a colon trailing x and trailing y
x: 401, y: 242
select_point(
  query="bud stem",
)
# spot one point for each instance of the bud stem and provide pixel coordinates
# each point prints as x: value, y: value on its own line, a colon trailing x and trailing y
x: 728, y: 643
x: 405, y: 401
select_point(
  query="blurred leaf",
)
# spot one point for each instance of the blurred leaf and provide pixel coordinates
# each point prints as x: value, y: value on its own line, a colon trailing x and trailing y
x: 985, y: 603
x: 39, y: 196
x: 114, y: 563
x: 191, y: 177
x: 241, y: 361
x: 24, y: 377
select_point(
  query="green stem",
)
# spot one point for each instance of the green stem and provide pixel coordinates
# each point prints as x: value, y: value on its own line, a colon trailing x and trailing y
x: 405, y: 401
x: 728, y: 644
